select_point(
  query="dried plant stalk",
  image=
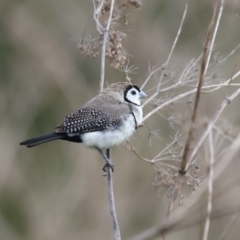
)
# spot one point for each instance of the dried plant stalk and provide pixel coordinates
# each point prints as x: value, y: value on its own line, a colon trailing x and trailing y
x: 206, y: 53
x: 210, y: 187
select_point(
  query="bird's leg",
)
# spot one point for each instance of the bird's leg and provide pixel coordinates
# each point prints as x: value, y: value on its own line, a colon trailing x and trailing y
x: 108, y: 151
x: 106, y: 158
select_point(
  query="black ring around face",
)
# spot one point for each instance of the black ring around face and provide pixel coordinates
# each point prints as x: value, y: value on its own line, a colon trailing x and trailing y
x: 126, y: 91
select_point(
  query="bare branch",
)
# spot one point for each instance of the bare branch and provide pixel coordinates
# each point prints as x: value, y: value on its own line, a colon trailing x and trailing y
x: 105, y: 32
x: 104, y: 44
x: 166, y: 148
x: 151, y: 73
x: 210, y: 187
x: 116, y: 230
x: 218, y: 86
x: 197, y: 99
x: 230, y: 54
x: 214, y: 34
x: 234, y: 68
x: 96, y: 14
x: 173, y: 46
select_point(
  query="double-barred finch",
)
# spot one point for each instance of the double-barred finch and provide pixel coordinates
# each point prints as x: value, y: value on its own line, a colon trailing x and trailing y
x: 105, y: 121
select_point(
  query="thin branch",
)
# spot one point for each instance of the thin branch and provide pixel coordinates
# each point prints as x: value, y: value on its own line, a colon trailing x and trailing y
x: 104, y: 44
x: 220, y: 85
x: 116, y: 229
x: 214, y: 34
x: 187, y: 69
x: 151, y: 73
x: 185, y: 72
x: 177, y: 186
x: 234, y: 68
x: 173, y: 46
x: 197, y: 99
x: 105, y: 32
x: 165, y: 149
x: 223, y: 84
x: 210, y: 187
x: 167, y: 103
x: 230, y: 54
x: 96, y: 14
x: 150, y: 99
x: 222, y: 133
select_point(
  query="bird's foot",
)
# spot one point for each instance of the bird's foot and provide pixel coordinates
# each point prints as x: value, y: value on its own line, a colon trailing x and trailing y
x: 108, y: 165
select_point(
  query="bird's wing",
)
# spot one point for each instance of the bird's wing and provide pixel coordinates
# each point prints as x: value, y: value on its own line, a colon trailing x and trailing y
x: 88, y: 120
x: 108, y: 105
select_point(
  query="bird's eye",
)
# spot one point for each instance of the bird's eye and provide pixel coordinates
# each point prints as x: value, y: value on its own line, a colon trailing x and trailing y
x: 133, y: 92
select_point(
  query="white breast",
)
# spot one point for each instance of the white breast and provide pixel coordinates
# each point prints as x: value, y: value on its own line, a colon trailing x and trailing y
x: 112, y: 137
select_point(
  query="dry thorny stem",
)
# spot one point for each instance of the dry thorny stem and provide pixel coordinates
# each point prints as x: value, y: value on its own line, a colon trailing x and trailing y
x: 210, y: 187
x: 199, y: 88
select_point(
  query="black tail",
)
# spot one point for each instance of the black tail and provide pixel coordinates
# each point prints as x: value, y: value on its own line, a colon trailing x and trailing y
x: 32, y: 142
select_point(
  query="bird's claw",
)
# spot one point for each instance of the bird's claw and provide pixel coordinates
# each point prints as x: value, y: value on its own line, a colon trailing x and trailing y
x: 108, y: 165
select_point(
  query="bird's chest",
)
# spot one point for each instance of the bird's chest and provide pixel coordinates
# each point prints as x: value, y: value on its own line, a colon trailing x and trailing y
x: 128, y: 127
x: 113, y: 136
x: 130, y: 123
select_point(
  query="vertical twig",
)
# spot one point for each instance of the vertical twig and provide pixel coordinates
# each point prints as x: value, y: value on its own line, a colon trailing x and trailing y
x: 105, y: 32
x: 210, y: 187
x: 97, y: 12
x: 173, y: 46
x: 214, y: 34
x: 104, y: 44
x: 198, y: 94
x: 116, y: 229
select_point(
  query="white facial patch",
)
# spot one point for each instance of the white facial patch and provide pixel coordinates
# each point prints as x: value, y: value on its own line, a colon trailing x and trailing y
x: 133, y: 96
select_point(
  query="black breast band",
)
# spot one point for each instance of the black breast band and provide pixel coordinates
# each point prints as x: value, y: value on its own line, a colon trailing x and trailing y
x: 131, y: 111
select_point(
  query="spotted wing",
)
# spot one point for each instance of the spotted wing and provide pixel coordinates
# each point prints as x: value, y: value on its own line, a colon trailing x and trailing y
x: 88, y: 120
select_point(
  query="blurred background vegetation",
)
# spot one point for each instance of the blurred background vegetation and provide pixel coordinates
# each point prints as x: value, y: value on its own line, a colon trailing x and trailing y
x: 56, y: 191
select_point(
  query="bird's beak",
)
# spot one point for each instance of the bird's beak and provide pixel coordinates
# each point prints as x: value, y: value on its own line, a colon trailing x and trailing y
x: 142, y: 94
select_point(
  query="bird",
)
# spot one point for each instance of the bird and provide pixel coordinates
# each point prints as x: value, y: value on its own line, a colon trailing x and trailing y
x: 107, y: 120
